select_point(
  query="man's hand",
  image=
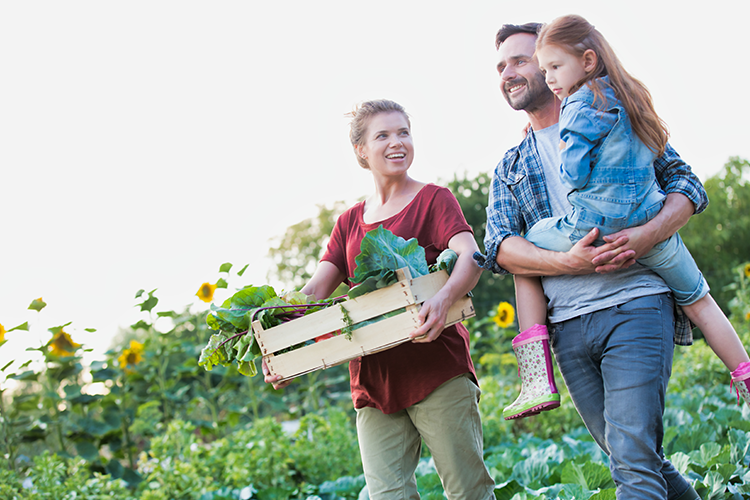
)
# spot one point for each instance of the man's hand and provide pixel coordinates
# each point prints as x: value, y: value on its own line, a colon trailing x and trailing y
x: 674, y: 214
x: 638, y: 242
x: 584, y: 257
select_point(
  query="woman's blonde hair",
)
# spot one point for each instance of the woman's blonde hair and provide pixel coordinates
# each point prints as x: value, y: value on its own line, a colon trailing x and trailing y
x: 575, y: 35
x: 361, y: 119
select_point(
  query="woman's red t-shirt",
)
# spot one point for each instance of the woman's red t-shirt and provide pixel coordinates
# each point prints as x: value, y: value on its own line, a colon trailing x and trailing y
x: 404, y: 375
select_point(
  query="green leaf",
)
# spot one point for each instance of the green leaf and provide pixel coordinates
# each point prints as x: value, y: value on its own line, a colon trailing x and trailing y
x: 212, y: 354
x: 507, y: 490
x: 150, y: 302
x: 57, y: 329
x: 445, y: 261
x: 242, y: 271
x: 740, y: 443
x: 247, y: 368
x: 605, y: 494
x: 225, y: 267
x: 22, y: 326
x: 37, y: 304
x: 139, y: 293
x: 381, y: 250
x: 714, y: 482
x: 90, y: 330
x: 590, y: 475
x: 221, y: 283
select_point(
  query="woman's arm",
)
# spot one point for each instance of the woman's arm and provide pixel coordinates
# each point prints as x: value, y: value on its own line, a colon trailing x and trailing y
x: 322, y: 284
x: 324, y: 281
x: 462, y: 280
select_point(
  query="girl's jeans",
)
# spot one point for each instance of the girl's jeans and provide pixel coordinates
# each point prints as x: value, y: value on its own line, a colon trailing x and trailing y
x: 670, y: 259
x: 616, y: 364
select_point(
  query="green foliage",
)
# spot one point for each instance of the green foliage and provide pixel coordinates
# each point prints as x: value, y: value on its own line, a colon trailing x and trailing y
x: 719, y: 238
x: 325, y: 448
x: 472, y: 194
x: 147, y: 422
x: 297, y: 252
x: 52, y: 476
x: 381, y: 250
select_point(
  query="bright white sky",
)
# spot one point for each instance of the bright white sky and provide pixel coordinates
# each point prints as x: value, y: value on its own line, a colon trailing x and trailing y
x: 144, y: 143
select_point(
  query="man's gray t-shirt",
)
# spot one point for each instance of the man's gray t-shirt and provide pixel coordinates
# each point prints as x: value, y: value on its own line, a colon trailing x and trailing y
x: 572, y: 296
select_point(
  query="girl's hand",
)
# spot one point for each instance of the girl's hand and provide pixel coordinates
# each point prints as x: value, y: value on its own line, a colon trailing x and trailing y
x: 561, y: 146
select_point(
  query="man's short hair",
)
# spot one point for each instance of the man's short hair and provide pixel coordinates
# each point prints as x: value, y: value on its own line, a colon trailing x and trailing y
x: 509, y: 30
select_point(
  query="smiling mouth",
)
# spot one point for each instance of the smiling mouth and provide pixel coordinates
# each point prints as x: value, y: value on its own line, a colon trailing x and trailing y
x: 514, y: 88
x: 395, y: 156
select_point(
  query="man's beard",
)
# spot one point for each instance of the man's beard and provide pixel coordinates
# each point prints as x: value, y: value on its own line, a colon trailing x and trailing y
x: 534, y: 96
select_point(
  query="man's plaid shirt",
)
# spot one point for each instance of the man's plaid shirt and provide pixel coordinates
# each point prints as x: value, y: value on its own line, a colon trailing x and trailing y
x: 518, y: 200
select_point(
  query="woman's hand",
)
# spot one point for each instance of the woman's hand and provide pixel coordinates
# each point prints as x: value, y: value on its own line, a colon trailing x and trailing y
x: 273, y: 379
x: 464, y: 277
x: 432, y: 317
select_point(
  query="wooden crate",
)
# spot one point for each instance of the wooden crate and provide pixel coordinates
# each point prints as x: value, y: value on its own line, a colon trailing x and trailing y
x: 406, y: 293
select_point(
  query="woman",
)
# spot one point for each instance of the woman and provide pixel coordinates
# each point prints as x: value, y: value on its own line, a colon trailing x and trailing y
x: 424, y: 389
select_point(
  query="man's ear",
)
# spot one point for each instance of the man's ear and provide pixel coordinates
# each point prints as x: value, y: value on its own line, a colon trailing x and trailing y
x: 589, y: 60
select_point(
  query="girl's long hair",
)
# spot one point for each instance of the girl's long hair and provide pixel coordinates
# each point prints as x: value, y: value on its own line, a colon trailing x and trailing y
x: 575, y: 35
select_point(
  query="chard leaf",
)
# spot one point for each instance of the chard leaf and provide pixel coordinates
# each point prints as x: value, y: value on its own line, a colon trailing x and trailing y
x: 247, y: 368
x: 230, y: 319
x: 212, y: 354
x: 252, y: 296
x: 381, y: 250
x: 243, y: 346
x: 296, y: 298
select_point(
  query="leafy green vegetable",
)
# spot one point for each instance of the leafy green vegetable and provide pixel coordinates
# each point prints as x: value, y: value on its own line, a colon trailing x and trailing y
x: 382, y: 251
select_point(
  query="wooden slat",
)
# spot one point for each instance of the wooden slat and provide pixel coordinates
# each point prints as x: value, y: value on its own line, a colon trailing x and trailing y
x: 338, y: 349
x: 369, y: 339
x: 370, y: 305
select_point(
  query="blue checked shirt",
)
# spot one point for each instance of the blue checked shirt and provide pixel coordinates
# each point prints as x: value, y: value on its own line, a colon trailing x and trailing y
x: 518, y: 200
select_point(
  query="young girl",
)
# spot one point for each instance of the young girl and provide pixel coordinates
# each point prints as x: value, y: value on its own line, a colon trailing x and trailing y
x: 610, y: 136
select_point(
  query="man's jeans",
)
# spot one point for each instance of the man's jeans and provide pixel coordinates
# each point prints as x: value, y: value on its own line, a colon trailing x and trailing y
x: 616, y: 364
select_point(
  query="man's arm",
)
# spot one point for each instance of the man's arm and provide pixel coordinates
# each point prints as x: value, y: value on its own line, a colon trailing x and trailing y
x: 674, y: 214
x: 685, y: 197
x: 521, y: 257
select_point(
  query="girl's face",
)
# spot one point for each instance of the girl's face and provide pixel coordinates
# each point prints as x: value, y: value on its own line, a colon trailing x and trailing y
x: 563, y: 70
x: 388, y: 147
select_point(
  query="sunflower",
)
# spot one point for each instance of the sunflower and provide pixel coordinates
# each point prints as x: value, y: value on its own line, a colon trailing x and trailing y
x: 206, y: 292
x: 131, y: 356
x: 61, y: 344
x: 504, y: 315
x: 2, y: 332
x: 747, y: 270
x: 747, y: 316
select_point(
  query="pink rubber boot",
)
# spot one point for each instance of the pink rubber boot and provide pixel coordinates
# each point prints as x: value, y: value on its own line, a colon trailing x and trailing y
x: 538, y: 389
x: 741, y: 381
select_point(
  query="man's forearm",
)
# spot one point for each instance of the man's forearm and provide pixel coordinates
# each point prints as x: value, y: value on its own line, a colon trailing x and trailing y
x: 675, y: 213
x: 520, y: 257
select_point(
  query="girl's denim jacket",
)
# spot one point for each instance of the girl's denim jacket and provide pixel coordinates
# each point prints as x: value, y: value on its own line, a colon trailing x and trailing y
x: 608, y: 169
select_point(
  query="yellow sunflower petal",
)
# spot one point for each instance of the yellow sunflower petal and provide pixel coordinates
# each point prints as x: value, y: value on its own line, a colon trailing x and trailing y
x: 206, y: 292
x: 62, y: 345
x: 747, y: 270
x: 505, y: 315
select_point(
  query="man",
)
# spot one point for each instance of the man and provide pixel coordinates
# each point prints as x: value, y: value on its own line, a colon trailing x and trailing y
x: 613, y: 322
